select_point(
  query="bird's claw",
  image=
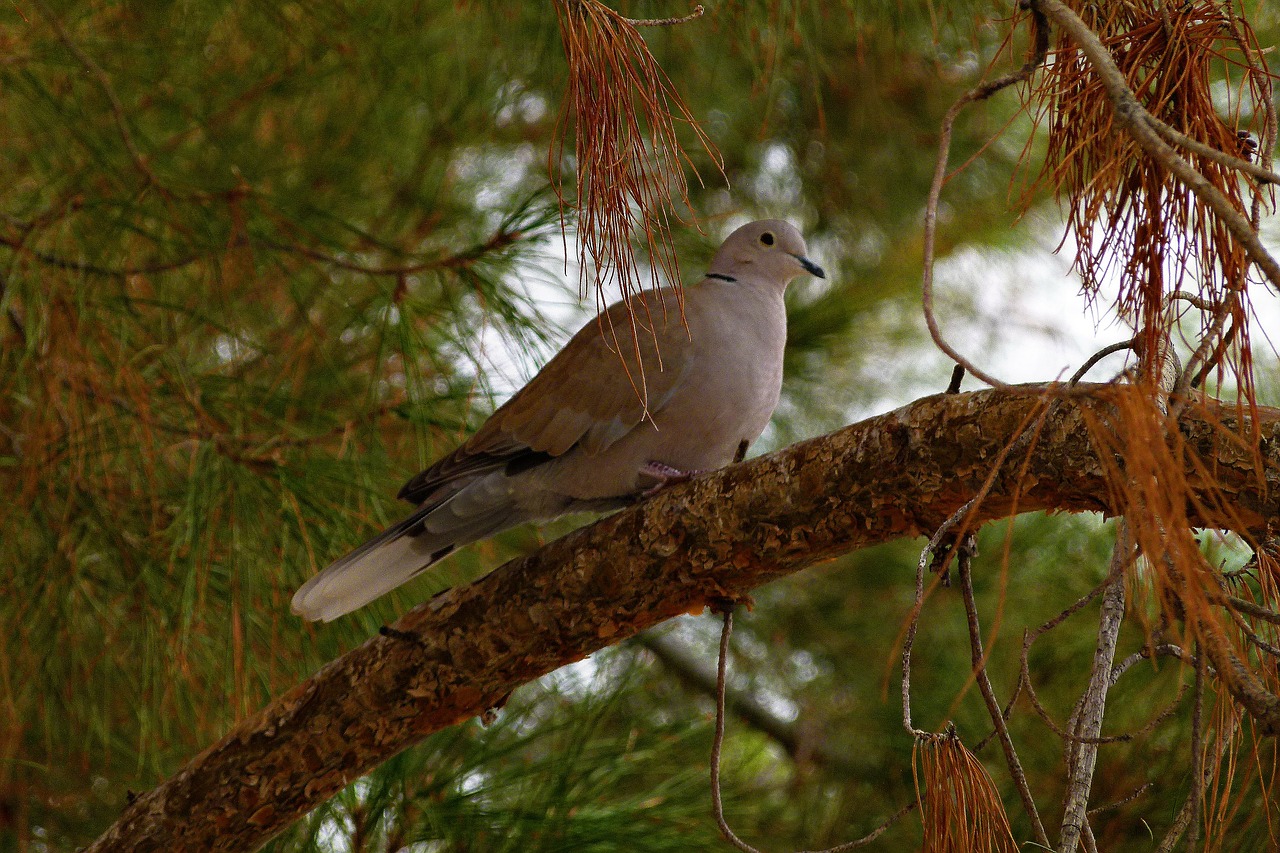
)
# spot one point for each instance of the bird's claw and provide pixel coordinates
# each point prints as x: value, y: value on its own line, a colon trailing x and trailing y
x: 665, y: 475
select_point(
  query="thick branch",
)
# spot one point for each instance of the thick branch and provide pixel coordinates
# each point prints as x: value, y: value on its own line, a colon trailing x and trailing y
x: 720, y: 536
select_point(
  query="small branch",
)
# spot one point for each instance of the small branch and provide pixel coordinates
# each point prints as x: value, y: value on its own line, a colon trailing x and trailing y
x: 667, y: 22
x: 717, y: 803
x: 1257, y: 611
x: 1030, y: 636
x: 1097, y: 357
x: 1191, y: 807
x: 1194, y: 299
x: 458, y: 260
x: 914, y: 620
x: 19, y: 246
x: 993, y: 706
x: 1251, y: 636
x: 981, y: 92
x: 1195, y: 146
x: 1082, y: 754
x: 1008, y: 710
x: 1150, y: 652
x: 104, y: 83
x: 1123, y: 801
x: 1208, y: 352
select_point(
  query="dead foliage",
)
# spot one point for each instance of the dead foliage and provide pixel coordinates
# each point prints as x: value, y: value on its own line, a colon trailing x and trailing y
x: 1190, y: 604
x: 1127, y: 212
x: 628, y: 163
x: 959, y: 804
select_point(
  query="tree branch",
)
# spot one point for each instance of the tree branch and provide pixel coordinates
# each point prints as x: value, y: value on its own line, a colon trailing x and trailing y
x: 719, y: 536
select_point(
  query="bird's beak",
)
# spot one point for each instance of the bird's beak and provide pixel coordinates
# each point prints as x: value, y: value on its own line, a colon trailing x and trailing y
x: 809, y: 266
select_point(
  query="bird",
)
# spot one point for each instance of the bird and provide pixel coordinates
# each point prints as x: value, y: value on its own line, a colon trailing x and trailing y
x: 611, y: 418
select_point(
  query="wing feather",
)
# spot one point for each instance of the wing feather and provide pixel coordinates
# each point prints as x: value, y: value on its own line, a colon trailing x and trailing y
x: 589, y: 394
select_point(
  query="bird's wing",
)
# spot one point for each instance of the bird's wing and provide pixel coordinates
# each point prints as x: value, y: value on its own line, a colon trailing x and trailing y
x: 592, y: 393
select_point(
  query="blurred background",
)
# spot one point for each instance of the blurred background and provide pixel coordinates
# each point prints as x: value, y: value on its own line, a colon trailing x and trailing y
x: 260, y: 263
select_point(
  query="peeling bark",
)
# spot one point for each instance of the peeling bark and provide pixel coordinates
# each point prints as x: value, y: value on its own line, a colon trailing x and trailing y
x: 722, y: 535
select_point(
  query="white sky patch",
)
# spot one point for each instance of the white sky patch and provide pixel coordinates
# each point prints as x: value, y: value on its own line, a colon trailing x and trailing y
x: 519, y: 105
x: 1021, y: 316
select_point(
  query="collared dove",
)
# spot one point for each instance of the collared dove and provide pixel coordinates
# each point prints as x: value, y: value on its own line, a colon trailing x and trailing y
x: 587, y: 432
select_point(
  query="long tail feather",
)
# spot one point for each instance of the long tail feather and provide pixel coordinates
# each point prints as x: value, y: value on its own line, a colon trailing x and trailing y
x: 403, y: 551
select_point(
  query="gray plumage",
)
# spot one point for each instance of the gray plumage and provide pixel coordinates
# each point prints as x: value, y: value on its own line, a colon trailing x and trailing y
x: 580, y: 437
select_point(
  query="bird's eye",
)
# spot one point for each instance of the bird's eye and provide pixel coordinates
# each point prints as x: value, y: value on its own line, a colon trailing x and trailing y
x: 767, y: 238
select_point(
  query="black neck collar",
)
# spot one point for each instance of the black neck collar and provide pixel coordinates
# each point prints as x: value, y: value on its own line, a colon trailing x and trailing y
x: 721, y: 276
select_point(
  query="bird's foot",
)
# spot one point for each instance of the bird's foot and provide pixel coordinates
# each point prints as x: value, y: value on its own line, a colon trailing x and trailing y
x: 665, y: 475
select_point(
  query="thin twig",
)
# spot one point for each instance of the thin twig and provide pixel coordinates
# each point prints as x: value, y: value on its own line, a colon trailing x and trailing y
x: 1158, y: 650
x: 983, y: 91
x: 690, y: 669
x: 717, y: 803
x: 458, y: 260
x: 667, y: 22
x: 1008, y: 710
x: 1251, y: 636
x: 1194, y: 299
x: 1257, y: 611
x: 1123, y: 801
x: 104, y: 83
x: 1030, y: 636
x: 914, y: 621
x: 993, y: 706
x: 1097, y: 357
x: 1195, y: 146
x: 875, y: 833
x: 1206, y: 348
x: 1191, y: 807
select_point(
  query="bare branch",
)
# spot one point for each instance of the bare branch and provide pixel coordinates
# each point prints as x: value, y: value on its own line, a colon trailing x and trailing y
x: 1097, y: 357
x: 1040, y: 49
x: 1195, y: 146
x: 1016, y: 772
x: 1191, y: 807
x: 717, y: 802
x: 717, y: 799
x: 1082, y: 754
x: 667, y: 22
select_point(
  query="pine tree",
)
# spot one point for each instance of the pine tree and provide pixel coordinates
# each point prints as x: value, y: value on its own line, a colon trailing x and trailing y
x: 261, y: 263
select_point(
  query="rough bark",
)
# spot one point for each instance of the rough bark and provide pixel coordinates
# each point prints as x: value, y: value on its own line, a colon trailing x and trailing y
x: 722, y: 535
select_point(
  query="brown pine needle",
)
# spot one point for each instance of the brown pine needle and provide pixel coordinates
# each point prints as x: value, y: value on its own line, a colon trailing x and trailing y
x: 1127, y: 211
x: 959, y: 805
x: 628, y: 162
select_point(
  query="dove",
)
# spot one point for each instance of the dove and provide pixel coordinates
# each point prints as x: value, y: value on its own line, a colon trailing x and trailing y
x: 620, y: 412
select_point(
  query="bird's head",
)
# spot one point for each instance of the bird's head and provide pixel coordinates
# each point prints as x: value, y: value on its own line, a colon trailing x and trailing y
x: 768, y: 249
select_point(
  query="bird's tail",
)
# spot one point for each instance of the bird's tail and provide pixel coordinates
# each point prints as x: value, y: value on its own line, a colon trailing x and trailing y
x: 398, y: 554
